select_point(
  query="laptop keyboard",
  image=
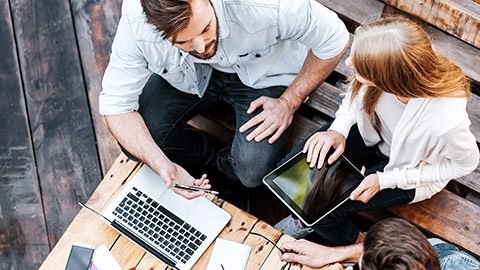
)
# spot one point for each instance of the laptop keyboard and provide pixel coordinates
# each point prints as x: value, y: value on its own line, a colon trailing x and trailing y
x: 161, y: 227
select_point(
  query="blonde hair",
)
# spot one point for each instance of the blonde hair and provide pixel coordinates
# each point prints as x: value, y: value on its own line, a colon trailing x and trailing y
x: 397, y: 56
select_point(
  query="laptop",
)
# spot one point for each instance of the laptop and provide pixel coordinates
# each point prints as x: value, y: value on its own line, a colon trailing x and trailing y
x: 175, y: 230
x: 311, y: 194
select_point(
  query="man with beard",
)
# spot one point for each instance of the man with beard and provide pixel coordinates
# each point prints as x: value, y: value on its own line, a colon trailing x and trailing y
x: 172, y: 59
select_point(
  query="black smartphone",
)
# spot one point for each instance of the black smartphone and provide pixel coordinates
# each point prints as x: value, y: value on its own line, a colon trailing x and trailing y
x: 80, y: 257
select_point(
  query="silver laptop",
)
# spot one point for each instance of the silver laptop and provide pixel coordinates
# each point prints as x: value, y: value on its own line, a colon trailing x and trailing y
x: 173, y: 229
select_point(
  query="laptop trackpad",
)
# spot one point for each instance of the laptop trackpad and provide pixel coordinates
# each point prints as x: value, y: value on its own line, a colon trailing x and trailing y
x: 179, y: 204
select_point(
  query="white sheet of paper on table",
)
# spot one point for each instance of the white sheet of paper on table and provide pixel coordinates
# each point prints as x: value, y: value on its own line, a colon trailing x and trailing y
x: 230, y: 255
x: 104, y: 260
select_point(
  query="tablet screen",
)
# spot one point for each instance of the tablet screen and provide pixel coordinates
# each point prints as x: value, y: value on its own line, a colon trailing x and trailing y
x: 312, y: 193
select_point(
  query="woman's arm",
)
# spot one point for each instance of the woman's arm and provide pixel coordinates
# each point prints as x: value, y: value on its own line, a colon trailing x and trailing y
x: 459, y: 156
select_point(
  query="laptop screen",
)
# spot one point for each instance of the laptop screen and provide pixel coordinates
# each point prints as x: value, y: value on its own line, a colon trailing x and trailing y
x: 312, y: 193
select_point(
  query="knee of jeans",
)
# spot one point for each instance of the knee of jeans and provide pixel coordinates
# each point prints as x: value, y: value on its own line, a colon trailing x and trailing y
x: 251, y: 171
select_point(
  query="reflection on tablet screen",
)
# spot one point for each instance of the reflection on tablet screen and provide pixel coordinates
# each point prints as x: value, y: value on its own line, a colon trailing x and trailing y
x: 313, y: 190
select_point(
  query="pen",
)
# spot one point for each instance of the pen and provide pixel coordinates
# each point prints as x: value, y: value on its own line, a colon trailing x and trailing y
x: 196, y: 189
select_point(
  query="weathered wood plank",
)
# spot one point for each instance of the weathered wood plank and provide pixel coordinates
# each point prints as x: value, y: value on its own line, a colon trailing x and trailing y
x: 113, y: 182
x: 463, y: 54
x: 447, y: 215
x: 64, y: 144
x: 23, y: 233
x: 127, y: 254
x: 149, y: 262
x: 261, y: 248
x: 95, y: 25
x: 359, y: 11
x: 460, y: 18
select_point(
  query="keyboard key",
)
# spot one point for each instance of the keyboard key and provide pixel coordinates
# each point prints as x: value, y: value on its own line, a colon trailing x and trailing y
x: 197, y: 234
x: 198, y: 242
x: 155, y: 204
x: 189, y: 251
x: 132, y: 197
x: 170, y: 215
x: 203, y: 237
x: 149, y: 200
x: 192, y: 246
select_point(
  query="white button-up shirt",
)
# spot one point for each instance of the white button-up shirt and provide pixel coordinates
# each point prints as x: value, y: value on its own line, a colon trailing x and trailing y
x: 264, y: 41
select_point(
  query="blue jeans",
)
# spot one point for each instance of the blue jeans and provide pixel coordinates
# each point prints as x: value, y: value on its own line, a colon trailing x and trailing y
x: 166, y: 110
x: 337, y: 228
x: 451, y: 258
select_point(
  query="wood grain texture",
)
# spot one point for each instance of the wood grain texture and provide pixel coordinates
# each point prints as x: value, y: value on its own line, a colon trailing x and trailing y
x: 359, y: 10
x: 149, y: 262
x: 63, y: 138
x: 261, y: 248
x: 84, y: 222
x: 460, y: 18
x: 448, y: 216
x: 23, y: 233
x: 96, y: 24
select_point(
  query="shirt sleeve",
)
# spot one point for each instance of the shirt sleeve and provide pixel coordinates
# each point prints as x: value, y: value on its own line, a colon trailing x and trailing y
x: 126, y: 74
x: 345, y: 117
x: 313, y: 25
x: 459, y: 157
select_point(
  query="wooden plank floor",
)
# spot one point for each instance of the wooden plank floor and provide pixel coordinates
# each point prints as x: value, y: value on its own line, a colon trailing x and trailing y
x: 54, y: 148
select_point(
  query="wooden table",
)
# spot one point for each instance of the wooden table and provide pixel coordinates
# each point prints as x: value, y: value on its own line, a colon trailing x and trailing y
x: 86, y: 228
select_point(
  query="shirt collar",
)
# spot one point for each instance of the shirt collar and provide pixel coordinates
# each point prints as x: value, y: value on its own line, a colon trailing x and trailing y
x: 223, y: 30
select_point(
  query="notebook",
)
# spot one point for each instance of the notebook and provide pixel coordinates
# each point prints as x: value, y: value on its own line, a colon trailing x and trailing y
x: 173, y: 229
x: 228, y: 255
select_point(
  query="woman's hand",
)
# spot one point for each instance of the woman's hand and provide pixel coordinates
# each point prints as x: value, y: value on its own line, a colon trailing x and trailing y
x: 319, y: 144
x: 367, y: 188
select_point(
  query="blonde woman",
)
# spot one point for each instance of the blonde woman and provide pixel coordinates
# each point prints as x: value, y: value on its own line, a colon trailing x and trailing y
x: 404, y: 118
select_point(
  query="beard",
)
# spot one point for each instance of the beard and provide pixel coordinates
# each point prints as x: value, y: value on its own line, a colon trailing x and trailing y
x: 208, y: 47
x: 213, y: 43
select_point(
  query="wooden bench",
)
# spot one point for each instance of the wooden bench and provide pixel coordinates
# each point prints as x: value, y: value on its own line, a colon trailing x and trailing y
x: 452, y: 216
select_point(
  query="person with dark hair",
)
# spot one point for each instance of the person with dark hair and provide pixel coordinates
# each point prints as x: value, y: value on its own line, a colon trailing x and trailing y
x: 172, y: 59
x: 389, y: 244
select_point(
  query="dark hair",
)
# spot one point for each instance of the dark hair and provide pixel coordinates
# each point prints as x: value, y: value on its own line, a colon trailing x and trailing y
x: 168, y: 16
x: 397, y: 245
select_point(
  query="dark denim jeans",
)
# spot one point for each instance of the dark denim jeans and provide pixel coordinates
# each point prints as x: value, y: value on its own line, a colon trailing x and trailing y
x: 451, y: 258
x: 337, y: 228
x: 166, y: 110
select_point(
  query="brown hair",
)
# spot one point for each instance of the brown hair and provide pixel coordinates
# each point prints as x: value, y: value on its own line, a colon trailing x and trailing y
x: 168, y: 16
x: 397, y: 56
x: 397, y: 245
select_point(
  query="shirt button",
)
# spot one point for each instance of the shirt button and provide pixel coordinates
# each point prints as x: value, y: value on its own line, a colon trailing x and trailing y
x: 221, y: 58
x: 238, y: 66
x: 165, y: 71
x: 258, y: 55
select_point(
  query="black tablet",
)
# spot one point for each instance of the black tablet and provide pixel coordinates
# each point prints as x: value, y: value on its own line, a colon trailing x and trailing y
x: 311, y: 193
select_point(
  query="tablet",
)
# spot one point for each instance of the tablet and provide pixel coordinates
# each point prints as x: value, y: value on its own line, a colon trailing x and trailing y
x: 311, y: 194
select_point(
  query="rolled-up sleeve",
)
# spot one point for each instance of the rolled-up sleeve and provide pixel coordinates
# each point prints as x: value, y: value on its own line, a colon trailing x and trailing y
x: 313, y: 25
x: 125, y: 75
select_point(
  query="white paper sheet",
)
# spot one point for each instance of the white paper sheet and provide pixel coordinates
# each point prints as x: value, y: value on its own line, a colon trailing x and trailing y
x: 230, y: 255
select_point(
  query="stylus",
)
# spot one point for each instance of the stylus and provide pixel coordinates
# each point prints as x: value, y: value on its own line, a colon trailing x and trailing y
x: 196, y: 189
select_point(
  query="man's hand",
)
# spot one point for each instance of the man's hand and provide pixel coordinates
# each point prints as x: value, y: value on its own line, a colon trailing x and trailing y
x: 367, y: 189
x: 172, y: 173
x: 275, y: 118
x: 318, y: 145
x: 303, y: 252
